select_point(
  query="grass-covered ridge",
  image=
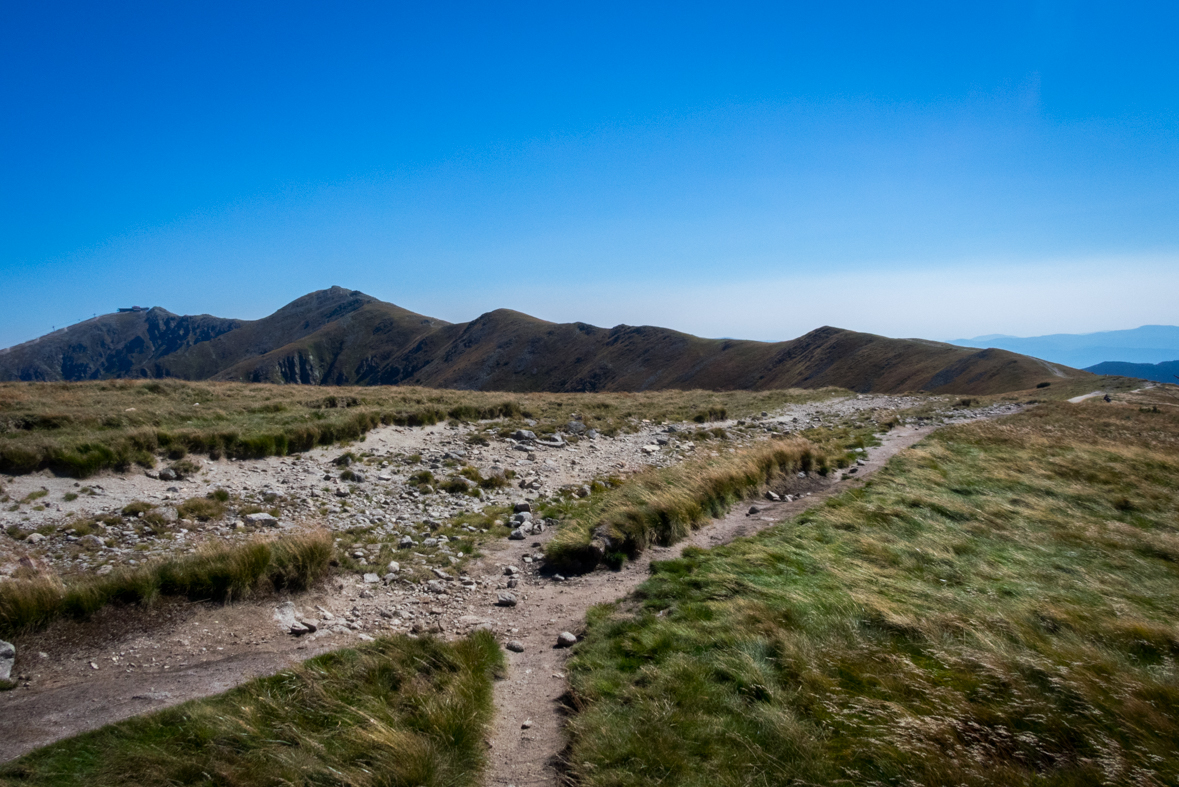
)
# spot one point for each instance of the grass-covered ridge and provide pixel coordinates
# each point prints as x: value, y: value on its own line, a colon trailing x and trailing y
x: 397, y: 712
x: 997, y: 607
x: 216, y: 573
x: 78, y: 429
x: 663, y: 505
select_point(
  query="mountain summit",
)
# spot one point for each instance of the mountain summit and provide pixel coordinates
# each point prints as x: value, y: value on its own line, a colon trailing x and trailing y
x: 344, y: 337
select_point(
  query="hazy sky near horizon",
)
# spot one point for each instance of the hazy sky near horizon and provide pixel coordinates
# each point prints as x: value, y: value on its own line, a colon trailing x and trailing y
x: 753, y: 170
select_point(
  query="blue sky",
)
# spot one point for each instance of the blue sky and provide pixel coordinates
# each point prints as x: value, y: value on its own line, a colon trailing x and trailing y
x: 752, y: 170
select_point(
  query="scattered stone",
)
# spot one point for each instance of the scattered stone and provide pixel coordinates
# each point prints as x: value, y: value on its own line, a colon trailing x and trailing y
x: 393, y: 567
x: 168, y: 474
x: 406, y: 542
x: 104, y: 570
x: 650, y: 449
x: 8, y: 658
x: 261, y: 519
x: 365, y: 638
x: 34, y: 538
x: 518, y: 534
x: 510, y: 570
x: 516, y: 646
x: 371, y: 579
x: 436, y: 586
x: 773, y: 496
x: 592, y: 433
x: 565, y: 639
x: 522, y: 508
x: 441, y: 574
x: 506, y: 600
x: 513, y: 582
x: 753, y: 510
x: 341, y: 492
x: 523, y: 434
x: 527, y: 724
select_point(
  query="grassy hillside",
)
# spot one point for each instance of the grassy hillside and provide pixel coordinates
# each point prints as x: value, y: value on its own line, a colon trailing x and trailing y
x: 344, y: 337
x: 80, y: 428
x: 997, y: 607
x: 400, y: 712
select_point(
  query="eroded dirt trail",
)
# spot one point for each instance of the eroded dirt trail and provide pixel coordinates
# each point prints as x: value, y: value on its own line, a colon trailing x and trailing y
x: 531, y: 693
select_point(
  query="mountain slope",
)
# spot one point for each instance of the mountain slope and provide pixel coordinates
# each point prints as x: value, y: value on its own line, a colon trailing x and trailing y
x: 1147, y: 344
x: 342, y: 337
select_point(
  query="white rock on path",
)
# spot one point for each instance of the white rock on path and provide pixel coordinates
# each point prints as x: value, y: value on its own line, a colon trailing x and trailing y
x: 7, y: 659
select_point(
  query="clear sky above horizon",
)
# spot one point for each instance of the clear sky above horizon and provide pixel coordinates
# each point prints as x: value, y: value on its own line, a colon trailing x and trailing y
x: 754, y: 170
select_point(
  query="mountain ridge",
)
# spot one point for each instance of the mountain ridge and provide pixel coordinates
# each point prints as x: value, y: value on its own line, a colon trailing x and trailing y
x: 345, y: 337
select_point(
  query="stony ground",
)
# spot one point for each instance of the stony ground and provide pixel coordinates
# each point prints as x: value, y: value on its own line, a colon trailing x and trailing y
x: 126, y: 661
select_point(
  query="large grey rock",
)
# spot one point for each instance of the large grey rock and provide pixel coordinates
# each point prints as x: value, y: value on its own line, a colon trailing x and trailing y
x: 523, y: 434
x: 505, y: 600
x: 566, y: 639
x: 575, y: 427
x: 7, y: 659
x: 34, y: 538
x: 516, y: 646
x: 523, y: 507
x: 518, y: 534
x: 371, y: 579
x: 261, y: 519
x: 406, y: 542
x: 289, y: 621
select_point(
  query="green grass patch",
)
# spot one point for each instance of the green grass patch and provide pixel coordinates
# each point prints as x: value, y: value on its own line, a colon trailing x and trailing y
x: 988, y: 610
x: 397, y: 712
x: 221, y: 573
x: 661, y: 506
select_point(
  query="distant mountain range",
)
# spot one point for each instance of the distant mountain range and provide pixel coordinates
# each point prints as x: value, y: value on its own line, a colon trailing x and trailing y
x: 1159, y: 372
x: 344, y: 337
x: 1149, y: 344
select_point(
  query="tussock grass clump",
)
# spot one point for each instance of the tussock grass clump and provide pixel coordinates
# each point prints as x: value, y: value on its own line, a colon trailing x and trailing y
x: 661, y: 506
x: 78, y: 429
x: 399, y: 711
x: 986, y: 611
x: 222, y: 574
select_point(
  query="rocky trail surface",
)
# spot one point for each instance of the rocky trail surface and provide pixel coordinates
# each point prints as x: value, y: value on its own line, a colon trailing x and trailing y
x: 78, y: 676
